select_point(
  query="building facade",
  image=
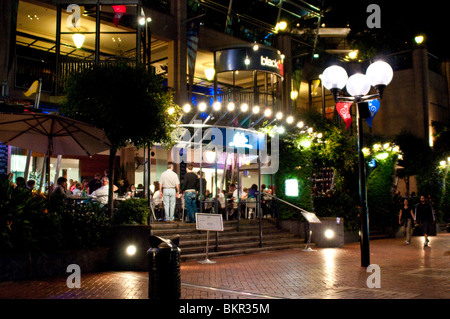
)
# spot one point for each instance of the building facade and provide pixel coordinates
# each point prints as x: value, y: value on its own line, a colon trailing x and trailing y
x: 183, y: 41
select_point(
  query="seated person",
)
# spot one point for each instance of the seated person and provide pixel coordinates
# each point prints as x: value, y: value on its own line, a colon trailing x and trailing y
x: 59, y: 193
x: 77, y: 190
x: 101, y: 194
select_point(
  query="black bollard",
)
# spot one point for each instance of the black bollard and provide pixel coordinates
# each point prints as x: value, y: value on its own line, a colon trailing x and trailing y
x: 164, y: 268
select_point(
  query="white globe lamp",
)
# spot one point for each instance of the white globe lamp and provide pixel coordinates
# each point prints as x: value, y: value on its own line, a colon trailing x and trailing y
x: 358, y: 85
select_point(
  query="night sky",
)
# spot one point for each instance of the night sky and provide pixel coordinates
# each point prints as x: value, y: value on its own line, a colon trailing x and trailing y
x: 401, y: 20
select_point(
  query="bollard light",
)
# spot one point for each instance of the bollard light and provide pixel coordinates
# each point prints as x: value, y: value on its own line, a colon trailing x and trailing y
x: 131, y: 250
x: 329, y: 234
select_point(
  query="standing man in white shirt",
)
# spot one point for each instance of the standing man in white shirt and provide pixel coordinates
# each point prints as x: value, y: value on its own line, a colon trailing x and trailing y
x: 169, y: 186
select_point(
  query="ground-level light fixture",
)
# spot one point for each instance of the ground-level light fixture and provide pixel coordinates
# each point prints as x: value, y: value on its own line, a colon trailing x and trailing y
x: 131, y: 250
x: 329, y: 234
x: 267, y: 112
x: 256, y: 109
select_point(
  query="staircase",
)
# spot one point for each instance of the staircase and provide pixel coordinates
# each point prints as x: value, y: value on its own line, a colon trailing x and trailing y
x: 230, y: 241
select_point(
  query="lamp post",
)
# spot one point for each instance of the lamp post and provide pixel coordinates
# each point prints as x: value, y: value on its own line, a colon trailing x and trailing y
x: 335, y: 78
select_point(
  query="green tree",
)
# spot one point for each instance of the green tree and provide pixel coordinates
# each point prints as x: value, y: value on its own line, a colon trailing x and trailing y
x: 417, y: 156
x: 128, y: 102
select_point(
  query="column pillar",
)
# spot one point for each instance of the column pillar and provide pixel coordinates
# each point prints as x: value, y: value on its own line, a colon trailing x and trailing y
x: 421, y: 84
x: 177, y: 54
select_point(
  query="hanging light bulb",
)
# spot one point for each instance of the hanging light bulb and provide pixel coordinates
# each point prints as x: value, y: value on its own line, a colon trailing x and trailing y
x: 209, y: 74
x: 78, y: 39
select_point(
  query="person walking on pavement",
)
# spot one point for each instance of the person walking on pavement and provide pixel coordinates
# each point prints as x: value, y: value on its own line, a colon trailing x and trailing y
x: 425, y: 216
x: 190, y: 187
x: 169, y: 186
x: 406, y: 219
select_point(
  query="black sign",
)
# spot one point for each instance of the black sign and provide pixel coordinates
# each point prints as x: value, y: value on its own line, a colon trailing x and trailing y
x: 246, y: 58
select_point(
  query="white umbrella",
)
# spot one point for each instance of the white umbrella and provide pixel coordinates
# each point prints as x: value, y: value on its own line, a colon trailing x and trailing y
x: 51, y: 134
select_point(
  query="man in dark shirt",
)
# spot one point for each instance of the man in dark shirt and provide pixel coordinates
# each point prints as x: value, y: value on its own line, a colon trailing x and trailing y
x: 425, y: 215
x: 190, y: 186
x: 95, y: 184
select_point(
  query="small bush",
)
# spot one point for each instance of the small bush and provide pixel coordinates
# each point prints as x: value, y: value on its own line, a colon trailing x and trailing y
x: 132, y: 211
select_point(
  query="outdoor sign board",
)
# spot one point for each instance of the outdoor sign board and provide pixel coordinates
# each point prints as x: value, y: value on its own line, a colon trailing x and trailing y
x: 311, y: 217
x: 209, y: 222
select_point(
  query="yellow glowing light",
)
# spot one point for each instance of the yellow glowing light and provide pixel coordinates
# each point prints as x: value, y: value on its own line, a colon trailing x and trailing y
x: 131, y: 250
x: 329, y: 233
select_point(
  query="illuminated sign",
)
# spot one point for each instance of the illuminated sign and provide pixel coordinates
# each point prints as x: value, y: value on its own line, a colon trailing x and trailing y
x: 273, y: 63
x: 246, y: 58
x: 291, y: 187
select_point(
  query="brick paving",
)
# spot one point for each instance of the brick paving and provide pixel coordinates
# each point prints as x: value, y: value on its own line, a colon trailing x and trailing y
x: 407, y: 272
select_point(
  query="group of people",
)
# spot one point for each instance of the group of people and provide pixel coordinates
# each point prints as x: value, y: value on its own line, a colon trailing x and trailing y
x: 96, y: 189
x: 420, y: 214
x: 193, y: 191
x: 170, y: 188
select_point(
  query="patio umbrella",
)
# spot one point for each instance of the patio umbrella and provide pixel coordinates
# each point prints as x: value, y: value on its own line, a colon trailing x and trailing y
x: 51, y: 134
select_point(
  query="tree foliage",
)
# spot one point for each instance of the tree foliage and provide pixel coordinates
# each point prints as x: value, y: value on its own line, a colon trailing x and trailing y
x: 128, y: 102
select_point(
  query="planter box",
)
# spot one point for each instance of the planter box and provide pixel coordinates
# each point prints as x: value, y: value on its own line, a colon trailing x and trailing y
x: 20, y: 267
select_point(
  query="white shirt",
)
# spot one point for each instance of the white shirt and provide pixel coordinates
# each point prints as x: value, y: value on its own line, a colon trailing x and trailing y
x: 101, y: 194
x: 157, y: 198
x: 169, y: 179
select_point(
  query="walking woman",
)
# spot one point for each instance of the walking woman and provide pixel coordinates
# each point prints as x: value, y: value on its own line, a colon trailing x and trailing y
x: 406, y: 219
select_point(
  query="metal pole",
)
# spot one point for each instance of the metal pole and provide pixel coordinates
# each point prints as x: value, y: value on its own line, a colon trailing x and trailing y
x: 238, y: 199
x: 364, y: 214
x: 258, y: 205
x: 138, y: 34
x: 57, y: 48
x: 97, y: 34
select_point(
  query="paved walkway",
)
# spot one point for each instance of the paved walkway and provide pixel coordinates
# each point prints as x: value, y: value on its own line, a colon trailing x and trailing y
x: 406, y: 272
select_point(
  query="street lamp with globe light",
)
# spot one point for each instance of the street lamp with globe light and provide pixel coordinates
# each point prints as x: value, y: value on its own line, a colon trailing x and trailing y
x: 379, y: 74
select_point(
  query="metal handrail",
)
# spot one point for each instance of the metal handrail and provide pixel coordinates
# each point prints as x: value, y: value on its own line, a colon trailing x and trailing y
x: 281, y: 200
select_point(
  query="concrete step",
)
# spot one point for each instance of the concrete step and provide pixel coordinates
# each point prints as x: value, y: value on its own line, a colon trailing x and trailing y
x: 230, y: 241
x: 213, y: 254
